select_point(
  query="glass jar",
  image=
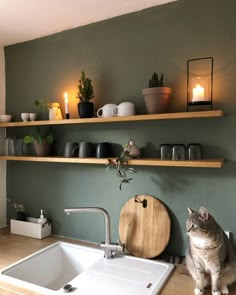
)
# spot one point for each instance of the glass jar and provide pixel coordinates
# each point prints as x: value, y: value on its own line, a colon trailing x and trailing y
x: 178, y: 152
x: 166, y: 151
x: 194, y: 151
x: 55, y: 111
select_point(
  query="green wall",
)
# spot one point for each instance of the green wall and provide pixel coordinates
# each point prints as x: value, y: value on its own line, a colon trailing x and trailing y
x: 120, y: 54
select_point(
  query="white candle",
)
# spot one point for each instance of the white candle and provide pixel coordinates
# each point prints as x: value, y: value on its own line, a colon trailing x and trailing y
x: 66, y: 103
x: 198, y: 93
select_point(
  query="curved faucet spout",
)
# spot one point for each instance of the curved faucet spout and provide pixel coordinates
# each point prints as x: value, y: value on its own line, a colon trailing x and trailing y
x: 108, y: 246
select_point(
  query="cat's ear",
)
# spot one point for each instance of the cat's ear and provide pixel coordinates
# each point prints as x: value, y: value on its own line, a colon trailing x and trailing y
x: 190, y: 211
x: 203, y: 213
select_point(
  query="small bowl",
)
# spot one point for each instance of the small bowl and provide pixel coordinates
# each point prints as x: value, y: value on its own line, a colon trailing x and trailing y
x: 5, y: 118
x: 33, y: 116
x: 25, y: 117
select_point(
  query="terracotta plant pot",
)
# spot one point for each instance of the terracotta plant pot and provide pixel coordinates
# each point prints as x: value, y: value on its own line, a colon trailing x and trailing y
x: 157, y: 99
x: 42, y: 150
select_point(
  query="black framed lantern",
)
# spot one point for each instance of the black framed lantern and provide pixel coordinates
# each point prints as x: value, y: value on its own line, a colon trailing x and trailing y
x: 199, y: 82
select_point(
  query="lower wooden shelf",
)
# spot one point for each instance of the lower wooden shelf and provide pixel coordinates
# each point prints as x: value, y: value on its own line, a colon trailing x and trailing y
x: 206, y: 163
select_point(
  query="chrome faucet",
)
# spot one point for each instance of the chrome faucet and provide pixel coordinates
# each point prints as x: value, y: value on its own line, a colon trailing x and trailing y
x: 109, y: 248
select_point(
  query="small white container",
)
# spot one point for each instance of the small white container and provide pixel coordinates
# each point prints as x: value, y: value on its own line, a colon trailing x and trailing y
x: 25, y: 117
x: 5, y: 118
x: 33, y: 116
x: 30, y: 228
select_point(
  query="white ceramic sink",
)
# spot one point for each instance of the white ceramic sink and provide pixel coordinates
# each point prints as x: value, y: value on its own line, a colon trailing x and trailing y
x: 50, y: 269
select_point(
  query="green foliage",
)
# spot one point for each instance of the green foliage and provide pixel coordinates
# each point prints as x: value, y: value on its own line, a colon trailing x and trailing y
x: 155, y: 81
x: 122, y: 167
x: 39, y: 137
x: 20, y: 210
x: 19, y: 207
x: 85, y: 88
x: 42, y: 103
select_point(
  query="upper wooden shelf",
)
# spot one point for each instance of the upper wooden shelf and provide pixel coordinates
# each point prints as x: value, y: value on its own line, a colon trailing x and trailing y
x: 152, y: 117
x: 212, y: 163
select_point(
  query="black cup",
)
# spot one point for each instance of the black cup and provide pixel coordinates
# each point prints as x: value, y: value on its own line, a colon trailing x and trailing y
x: 71, y: 149
x: 103, y: 150
x: 85, y: 149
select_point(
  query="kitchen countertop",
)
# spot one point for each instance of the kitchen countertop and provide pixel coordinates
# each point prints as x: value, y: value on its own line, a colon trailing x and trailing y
x: 14, y: 247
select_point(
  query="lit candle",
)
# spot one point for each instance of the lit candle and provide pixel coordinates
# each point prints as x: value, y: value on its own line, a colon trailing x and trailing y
x: 66, y: 103
x: 198, y: 93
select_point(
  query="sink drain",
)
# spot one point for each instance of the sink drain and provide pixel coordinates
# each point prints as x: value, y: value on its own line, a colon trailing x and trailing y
x: 68, y: 288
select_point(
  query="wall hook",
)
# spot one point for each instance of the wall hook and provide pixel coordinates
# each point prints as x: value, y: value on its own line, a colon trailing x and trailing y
x: 144, y: 201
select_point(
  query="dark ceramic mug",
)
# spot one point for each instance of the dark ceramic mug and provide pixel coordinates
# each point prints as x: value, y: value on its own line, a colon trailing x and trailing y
x: 85, y: 149
x: 71, y: 149
x: 103, y: 150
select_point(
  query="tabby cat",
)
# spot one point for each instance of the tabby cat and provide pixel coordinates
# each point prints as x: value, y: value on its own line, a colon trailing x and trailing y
x: 210, y: 257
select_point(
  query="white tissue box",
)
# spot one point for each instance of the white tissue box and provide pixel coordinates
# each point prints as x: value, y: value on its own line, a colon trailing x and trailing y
x: 30, y: 228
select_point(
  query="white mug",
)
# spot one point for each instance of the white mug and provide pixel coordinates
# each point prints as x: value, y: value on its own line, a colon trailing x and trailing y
x: 106, y: 110
x: 124, y: 109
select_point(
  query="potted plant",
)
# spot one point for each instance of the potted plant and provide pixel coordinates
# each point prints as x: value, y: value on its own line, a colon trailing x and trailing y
x: 42, y: 143
x: 85, y: 94
x: 157, y: 96
x: 20, y: 211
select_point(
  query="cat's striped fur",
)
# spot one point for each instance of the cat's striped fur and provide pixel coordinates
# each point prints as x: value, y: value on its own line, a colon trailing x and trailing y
x: 210, y: 257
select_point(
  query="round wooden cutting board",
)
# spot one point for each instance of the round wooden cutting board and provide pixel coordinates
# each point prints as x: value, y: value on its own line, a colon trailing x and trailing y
x: 144, y: 226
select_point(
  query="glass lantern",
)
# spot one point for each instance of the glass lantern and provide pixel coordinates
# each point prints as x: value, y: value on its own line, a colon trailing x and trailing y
x: 199, y: 82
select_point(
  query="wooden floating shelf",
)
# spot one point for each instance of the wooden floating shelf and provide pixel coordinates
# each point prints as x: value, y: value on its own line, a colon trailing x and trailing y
x: 152, y: 117
x: 212, y: 163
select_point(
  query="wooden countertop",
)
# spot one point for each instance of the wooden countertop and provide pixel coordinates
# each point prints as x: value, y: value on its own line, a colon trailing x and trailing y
x: 14, y: 247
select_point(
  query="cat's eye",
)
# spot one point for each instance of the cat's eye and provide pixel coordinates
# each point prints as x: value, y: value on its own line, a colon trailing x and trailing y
x: 193, y: 226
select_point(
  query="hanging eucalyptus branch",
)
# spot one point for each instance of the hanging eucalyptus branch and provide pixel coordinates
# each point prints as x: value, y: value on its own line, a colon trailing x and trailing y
x: 122, y: 167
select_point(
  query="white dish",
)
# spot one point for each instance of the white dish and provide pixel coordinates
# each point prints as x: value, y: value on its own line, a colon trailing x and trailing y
x: 5, y: 118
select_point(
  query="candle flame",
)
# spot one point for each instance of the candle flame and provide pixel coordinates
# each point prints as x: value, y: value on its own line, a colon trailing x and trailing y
x: 66, y: 97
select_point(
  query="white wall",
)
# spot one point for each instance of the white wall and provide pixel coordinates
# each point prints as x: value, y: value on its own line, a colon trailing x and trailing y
x: 2, y: 135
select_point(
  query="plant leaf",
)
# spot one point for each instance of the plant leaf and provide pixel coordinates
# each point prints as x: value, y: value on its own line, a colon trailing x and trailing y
x: 131, y: 170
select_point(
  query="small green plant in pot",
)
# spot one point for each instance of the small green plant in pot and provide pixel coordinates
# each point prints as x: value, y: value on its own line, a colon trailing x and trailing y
x: 85, y: 94
x: 41, y: 142
x: 157, y: 96
x: 20, y: 211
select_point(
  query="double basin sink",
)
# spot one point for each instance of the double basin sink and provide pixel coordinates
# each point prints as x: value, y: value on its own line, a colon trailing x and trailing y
x: 69, y: 268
